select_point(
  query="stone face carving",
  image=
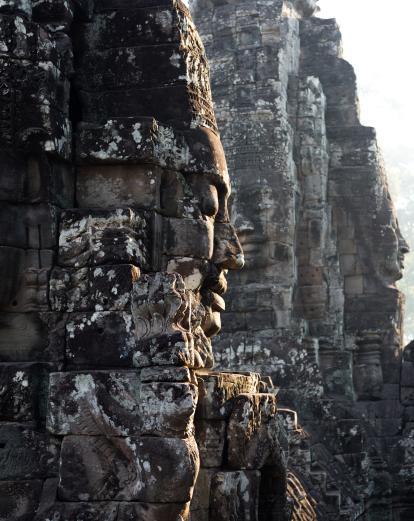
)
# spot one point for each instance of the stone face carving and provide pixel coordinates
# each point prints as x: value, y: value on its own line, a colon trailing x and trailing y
x: 115, y: 239
x: 115, y: 251
x: 316, y: 306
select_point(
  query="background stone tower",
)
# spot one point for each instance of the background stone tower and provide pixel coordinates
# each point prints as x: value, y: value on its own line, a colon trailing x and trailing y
x: 316, y: 306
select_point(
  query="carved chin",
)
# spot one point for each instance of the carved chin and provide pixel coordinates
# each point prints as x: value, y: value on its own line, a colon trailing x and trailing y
x: 212, y: 322
x: 395, y: 270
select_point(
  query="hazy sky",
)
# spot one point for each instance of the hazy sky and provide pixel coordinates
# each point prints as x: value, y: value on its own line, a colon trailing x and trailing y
x: 378, y: 39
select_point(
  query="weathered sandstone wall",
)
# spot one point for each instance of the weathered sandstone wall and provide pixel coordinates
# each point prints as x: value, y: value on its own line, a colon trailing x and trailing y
x: 316, y: 306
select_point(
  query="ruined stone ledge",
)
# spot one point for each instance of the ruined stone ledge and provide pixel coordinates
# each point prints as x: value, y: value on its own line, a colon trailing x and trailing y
x: 216, y: 391
x: 252, y: 432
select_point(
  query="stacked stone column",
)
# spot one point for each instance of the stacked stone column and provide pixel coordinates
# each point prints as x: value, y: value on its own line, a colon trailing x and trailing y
x: 36, y: 183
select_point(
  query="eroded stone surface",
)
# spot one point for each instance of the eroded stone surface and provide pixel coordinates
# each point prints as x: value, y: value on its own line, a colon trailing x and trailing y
x: 252, y: 433
x: 235, y: 495
x: 130, y: 469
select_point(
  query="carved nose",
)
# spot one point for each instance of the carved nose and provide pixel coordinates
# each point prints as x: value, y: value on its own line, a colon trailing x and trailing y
x: 238, y: 261
x: 228, y: 253
x: 404, y: 248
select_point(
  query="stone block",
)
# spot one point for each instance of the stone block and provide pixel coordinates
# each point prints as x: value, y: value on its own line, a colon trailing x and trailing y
x: 153, y: 511
x: 336, y: 371
x: 26, y: 274
x: 29, y: 337
x: 34, y: 180
x: 210, y: 437
x: 145, y: 140
x: 310, y: 276
x: 175, y: 348
x: 23, y: 7
x: 133, y: 67
x: 388, y: 427
x: 128, y: 469
x: 201, y: 496
x: 96, y: 237
x: 348, y: 435
x: 217, y: 391
x: 235, y: 495
x: 142, y: 101
x: 348, y: 264
x: 95, y: 511
x: 161, y: 26
x: 252, y: 432
x: 41, y: 123
x: 116, y: 404
x: 313, y: 294
x: 100, y: 339
x: 233, y: 321
x: 56, y: 11
x: 115, y: 511
x: 19, y: 499
x: 28, y: 226
x: 168, y: 408
x: 24, y: 391
x: 188, y: 238
x: 119, y: 140
x: 260, y: 320
x: 407, y: 395
x: 166, y: 374
x: 26, y: 453
x: 161, y: 310
x: 347, y: 247
x: 354, y: 285
x: 200, y: 515
x: 104, y: 288
x: 193, y: 271
x: 94, y: 403
x: 407, y: 374
x: 117, y: 186
x: 388, y: 409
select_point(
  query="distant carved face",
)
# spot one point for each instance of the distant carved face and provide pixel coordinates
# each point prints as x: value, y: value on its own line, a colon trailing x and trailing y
x: 254, y: 218
x: 201, y: 201
x: 394, y: 248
